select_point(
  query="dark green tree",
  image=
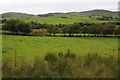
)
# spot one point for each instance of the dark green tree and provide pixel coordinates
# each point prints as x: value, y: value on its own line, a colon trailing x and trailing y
x: 75, y: 28
x: 49, y: 28
x: 85, y: 30
x: 109, y: 29
x: 117, y: 30
x: 69, y: 29
x: 10, y: 25
x: 55, y: 29
x: 64, y: 30
x: 24, y: 27
x: 52, y: 29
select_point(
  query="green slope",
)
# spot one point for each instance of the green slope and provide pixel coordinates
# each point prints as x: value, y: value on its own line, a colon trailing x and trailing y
x: 66, y: 18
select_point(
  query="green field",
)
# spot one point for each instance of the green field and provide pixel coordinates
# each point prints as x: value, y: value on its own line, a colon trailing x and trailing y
x: 30, y: 46
x: 69, y: 20
x: 60, y: 57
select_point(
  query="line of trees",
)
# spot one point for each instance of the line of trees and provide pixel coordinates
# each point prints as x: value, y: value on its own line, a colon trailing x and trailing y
x: 17, y: 25
x: 94, y: 30
x: 107, y: 18
x: 98, y: 17
x: 88, y: 29
x: 102, y: 29
x: 91, y: 29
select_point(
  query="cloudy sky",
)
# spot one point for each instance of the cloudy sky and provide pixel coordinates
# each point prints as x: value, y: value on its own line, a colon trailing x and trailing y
x: 50, y: 6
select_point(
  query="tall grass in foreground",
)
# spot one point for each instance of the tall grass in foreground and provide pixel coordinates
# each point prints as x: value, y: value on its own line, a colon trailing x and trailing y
x: 64, y: 65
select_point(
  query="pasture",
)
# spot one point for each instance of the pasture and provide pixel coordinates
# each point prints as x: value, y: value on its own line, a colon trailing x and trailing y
x: 59, y: 57
x: 30, y: 46
x: 68, y: 20
x: 45, y: 56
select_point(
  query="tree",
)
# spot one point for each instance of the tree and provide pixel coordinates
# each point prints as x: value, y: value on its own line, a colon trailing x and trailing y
x: 36, y: 25
x: 3, y: 20
x: 60, y: 25
x: 55, y: 29
x: 69, y: 29
x: 75, y: 28
x: 85, y: 29
x: 16, y: 25
x: 64, y: 30
x: 117, y: 30
x: 11, y: 25
x: 24, y: 27
x: 100, y: 29
x: 52, y: 29
x: 49, y: 28
x: 109, y: 29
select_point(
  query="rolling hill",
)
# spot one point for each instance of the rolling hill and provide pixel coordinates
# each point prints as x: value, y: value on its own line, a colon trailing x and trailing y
x: 100, y: 12
x: 65, y: 18
x: 91, y: 12
x: 18, y: 15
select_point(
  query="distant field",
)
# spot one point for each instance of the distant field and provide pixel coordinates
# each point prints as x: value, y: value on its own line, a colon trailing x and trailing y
x: 30, y: 46
x: 68, y: 20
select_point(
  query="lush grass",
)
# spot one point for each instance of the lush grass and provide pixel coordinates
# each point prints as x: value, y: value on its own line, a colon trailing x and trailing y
x: 29, y: 46
x: 94, y: 57
x: 67, y: 65
x: 69, y: 20
x: 67, y: 57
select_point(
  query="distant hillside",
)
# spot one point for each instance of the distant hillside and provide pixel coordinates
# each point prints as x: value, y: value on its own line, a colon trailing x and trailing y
x: 18, y: 15
x: 91, y: 12
x: 99, y: 12
x: 52, y: 14
x: 92, y: 16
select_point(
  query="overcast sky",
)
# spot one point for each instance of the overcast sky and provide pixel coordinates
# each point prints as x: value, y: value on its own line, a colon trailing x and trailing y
x: 50, y: 6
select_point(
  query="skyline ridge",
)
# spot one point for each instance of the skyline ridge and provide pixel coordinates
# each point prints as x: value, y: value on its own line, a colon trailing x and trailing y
x: 63, y: 12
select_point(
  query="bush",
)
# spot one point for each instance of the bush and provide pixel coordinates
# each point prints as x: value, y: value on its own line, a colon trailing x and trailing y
x: 60, y: 54
x: 62, y: 67
x: 51, y: 57
x: 70, y: 55
x: 92, y: 65
x: 41, y: 32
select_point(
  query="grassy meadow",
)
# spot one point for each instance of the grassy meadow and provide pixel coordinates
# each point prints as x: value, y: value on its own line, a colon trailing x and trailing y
x: 29, y: 46
x: 59, y: 57
x: 69, y: 20
x: 41, y: 55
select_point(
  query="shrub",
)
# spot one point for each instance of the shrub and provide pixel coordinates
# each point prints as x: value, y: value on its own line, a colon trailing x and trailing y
x: 60, y: 54
x: 51, y: 57
x: 62, y: 67
x: 68, y: 55
x: 42, y: 32
x: 92, y: 65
